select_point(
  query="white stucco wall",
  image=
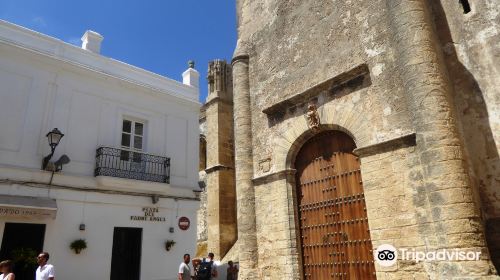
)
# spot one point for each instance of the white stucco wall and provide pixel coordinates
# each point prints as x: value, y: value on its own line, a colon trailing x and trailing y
x: 86, y: 96
x: 101, y: 213
x: 46, y: 83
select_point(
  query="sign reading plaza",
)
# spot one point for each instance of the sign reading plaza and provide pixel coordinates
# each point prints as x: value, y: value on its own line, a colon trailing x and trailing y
x: 387, y: 255
x: 149, y: 215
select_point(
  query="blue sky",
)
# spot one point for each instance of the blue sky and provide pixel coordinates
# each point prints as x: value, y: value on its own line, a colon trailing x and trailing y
x: 157, y: 35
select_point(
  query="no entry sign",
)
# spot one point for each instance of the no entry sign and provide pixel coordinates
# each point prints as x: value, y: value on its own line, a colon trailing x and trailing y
x: 184, y: 223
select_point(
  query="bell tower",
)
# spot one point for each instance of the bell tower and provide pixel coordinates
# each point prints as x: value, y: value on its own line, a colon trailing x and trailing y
x: 221, y: 191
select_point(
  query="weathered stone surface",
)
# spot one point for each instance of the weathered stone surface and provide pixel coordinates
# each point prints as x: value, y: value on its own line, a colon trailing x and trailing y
x: 470, y: 44
x: 428, y: 70
x: 219, y: 232
x: 245, y: 195
x: 201, y: 227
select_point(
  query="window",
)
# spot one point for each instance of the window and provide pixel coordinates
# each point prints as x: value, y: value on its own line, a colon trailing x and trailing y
x: 132, y: 140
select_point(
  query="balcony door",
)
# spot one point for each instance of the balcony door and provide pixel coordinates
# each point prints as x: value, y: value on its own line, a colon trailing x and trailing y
x: 132, y: 144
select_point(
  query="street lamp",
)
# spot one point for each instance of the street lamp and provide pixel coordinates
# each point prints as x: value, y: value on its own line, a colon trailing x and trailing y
x: 54, y: 137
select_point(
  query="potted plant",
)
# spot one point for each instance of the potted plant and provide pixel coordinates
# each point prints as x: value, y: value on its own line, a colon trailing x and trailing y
x: 78, y: 245
x: 169, y: 244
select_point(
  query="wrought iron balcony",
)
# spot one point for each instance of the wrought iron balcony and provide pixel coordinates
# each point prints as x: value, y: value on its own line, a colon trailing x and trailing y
x: 131, y: 165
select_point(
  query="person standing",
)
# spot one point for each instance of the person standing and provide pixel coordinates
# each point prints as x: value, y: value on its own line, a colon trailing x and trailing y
x: 184, y: 269
x: 214, y: 272
x: 44, y: 271
x: 6, y: 269
x: 207, y: 270
x: 196, y: 265
x: 232, y: 271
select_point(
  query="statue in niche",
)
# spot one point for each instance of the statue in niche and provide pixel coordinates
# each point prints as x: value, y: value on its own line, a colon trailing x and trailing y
x: 312, y: 117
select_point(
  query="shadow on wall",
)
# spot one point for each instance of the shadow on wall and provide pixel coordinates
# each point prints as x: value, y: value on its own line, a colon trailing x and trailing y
x: 481, y: 149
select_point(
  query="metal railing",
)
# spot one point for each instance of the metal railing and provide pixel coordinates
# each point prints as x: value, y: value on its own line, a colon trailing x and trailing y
x: 131, y: 165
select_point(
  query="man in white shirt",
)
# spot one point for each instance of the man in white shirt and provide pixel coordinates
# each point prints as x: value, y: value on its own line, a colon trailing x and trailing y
x: 44, y: 271
x: 184, y: 269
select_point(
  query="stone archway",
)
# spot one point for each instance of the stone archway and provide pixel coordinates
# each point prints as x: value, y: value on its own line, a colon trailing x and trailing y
x: 333, y: 226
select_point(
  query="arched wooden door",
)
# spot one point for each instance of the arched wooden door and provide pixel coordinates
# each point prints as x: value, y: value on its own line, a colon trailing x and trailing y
x: 334, y: 231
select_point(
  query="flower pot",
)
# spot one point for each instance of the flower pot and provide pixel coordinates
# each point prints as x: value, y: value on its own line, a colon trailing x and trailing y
x: 78, y: 245
x: 169, y: 244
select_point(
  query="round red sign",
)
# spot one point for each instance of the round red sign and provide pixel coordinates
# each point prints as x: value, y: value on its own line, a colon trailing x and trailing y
x: 184, y: 223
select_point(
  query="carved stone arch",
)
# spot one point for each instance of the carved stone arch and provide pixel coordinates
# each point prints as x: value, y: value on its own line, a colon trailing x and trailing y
x: 306, y: 136
x: 287, y: 146
x: 348, y: 118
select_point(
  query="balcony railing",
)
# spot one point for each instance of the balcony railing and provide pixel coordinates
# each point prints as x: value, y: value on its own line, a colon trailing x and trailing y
x: 131, y: 165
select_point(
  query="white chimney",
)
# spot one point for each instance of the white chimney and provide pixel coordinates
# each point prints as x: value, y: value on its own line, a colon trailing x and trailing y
x: 191, y: 77
x: 91, y: 41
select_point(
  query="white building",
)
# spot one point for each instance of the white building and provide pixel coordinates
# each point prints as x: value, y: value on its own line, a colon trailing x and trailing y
x: 132, y: 138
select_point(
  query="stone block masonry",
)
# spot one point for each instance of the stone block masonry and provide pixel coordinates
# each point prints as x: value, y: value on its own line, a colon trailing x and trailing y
x: 413, y: 83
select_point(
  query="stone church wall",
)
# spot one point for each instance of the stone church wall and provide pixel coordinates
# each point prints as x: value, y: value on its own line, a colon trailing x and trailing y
x: 342, y: 56
x: 302, y: 44
x: 201, y: 227
x: 470, y: 43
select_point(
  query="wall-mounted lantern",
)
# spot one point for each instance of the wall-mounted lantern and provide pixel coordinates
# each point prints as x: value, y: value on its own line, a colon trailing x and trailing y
x: 54, y: 137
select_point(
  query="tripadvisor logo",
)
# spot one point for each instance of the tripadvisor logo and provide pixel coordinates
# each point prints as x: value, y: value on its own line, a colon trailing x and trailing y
x: 387, y: 255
